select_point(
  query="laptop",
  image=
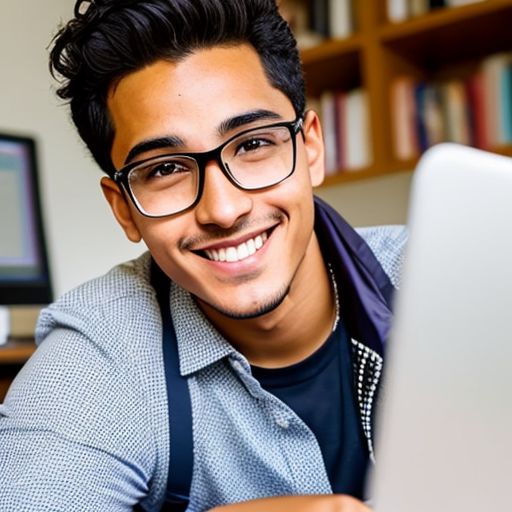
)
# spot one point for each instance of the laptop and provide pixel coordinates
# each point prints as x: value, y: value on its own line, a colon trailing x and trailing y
x: 445, y: 420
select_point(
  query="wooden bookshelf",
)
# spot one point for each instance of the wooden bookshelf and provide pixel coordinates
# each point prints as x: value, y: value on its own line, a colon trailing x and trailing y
x: 444, y: 43
x: 12, y: 357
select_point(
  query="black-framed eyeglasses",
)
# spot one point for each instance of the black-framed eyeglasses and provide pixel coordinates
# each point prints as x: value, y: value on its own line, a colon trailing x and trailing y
x: 254, y: 159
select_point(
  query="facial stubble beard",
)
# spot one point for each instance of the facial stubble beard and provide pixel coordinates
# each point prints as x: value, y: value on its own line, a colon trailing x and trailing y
x: 263, y: 308
x: 260, y: 310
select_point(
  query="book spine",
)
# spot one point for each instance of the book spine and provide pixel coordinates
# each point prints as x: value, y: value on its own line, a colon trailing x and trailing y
x: 418, y: 7
x: 433, y: 115
x: 341, y: 130
x: 397, y: 10
x: 357, y: 130
x: 421, y: 130
x: 319, y: 17
x: 327, y: 104
x: 340, y: 19
x: 403, y: 109
x: 475, y: 91
x: 458, y: 3
x: 505, y: 128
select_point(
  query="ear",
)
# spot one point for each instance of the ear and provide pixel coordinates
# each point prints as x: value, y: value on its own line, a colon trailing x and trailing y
x: 121, y: 209
x: 314, y: 145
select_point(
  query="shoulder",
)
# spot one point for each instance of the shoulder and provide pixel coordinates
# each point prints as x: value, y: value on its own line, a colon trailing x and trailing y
x: 109, y: 300
x: 388, y: 244
x: 99, y: 358
x: 109, y: 327
x: 100, y: 351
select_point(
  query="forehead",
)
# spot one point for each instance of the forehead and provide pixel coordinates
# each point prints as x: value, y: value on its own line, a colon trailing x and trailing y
x: 190, y: 98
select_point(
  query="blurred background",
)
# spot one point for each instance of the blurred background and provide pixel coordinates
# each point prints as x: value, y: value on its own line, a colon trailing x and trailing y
x: 82, y: 236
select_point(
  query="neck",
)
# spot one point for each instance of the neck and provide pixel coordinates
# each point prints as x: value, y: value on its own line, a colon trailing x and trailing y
x: 296, y: 328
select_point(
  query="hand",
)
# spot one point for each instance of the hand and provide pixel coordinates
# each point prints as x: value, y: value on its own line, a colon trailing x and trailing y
x: 316, y: 503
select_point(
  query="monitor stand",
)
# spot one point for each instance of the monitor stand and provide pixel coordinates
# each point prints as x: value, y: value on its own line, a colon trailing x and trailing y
x: 5, y: 327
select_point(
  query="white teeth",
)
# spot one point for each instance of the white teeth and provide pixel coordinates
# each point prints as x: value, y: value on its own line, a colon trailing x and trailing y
x: 251, y: 247
x: 213, y: 255
x: 241, y: 252
x: 231, y: 254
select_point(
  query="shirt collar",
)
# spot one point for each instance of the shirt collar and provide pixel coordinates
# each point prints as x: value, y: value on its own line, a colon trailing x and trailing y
x: 199, y: 343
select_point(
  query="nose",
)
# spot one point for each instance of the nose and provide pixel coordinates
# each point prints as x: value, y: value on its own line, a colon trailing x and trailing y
x: 222, y: 203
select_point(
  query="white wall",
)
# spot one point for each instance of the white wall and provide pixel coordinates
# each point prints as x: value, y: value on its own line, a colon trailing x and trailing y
x: 84, y: 240
x: 382, y: 200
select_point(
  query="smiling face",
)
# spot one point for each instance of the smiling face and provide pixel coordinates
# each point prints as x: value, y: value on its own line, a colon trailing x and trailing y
x: 238, y: 252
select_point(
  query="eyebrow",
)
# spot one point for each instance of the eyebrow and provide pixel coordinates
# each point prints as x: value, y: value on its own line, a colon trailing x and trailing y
x: 244, y: 119
x: 173, y: 141
x: 170, y: 141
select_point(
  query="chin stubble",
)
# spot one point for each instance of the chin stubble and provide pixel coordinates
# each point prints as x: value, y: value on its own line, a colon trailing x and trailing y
x: 260, y: 309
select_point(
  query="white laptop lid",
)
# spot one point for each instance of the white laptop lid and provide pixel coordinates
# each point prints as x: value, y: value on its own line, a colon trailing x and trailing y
x: 445, y: 427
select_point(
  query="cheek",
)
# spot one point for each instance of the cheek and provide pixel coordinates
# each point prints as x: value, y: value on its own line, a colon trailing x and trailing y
x: 298, y: 195
x: 162, y: 236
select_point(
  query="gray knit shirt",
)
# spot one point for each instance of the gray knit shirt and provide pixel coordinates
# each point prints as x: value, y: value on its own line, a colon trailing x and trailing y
x: 85, y: 425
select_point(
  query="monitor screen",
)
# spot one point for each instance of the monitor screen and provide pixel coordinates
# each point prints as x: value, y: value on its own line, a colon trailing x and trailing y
x: 24, y: 274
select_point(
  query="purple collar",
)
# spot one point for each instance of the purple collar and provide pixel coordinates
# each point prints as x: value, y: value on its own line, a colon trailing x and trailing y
x: 365, y: 289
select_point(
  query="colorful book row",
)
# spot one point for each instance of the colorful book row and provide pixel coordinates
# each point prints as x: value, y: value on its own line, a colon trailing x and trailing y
x: 475, y: 111
x: 314, y: 21
x: 346, y: 130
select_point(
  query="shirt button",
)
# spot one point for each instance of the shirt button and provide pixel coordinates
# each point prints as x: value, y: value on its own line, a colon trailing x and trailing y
x: 237, y: 366
x: 282, y: 422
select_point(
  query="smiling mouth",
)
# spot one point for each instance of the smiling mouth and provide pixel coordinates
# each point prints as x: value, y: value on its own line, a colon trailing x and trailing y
x: 232, y: 254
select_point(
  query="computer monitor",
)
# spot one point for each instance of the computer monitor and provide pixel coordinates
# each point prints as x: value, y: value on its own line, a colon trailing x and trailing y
x: 24, y: 272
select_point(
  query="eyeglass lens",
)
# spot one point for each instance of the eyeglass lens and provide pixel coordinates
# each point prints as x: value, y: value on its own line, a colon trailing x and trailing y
x: 256, y: 159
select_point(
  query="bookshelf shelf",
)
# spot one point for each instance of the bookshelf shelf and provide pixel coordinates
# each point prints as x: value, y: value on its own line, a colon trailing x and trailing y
x: 16, y: 351
x: 482, y: 12
x: 334, y: 64
x: 444, y: 44
x: 332, y: 48
x: 446, y: 36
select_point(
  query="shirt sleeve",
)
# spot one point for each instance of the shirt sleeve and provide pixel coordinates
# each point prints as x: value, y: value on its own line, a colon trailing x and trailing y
x: 73, y: 434
x: 388, y: 243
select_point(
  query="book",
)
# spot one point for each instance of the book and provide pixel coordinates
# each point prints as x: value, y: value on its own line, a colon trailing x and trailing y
x: 457, y: 3
x: 436, y: 4
x: 418, y: 7
x: 419, y: 125
x: 328, y: 115
x: 403, y: 113
x: 475, y: 91
x: 358, y: 153
x: 455, y: 109
x: 433, y: 115
x: 492, y: 68
x: 341, y: 130
x: 297, y: 14
x: 397, y: 10
x: 320, y: 17
x: 340, y: 18
x: 506, y: 104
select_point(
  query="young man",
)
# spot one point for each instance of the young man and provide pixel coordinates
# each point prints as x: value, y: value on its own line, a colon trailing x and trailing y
x: 276, y: 309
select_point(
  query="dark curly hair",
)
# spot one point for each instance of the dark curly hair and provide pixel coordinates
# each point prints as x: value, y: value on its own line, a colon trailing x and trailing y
x: 108, y: 39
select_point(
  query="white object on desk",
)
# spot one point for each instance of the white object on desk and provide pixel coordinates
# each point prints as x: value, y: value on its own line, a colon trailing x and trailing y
x: 4, y: 325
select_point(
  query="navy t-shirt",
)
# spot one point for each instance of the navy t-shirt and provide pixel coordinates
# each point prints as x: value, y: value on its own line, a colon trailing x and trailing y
x: 320, y: 390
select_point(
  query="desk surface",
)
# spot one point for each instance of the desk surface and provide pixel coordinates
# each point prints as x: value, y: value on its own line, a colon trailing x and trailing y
x: 16, y: 351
